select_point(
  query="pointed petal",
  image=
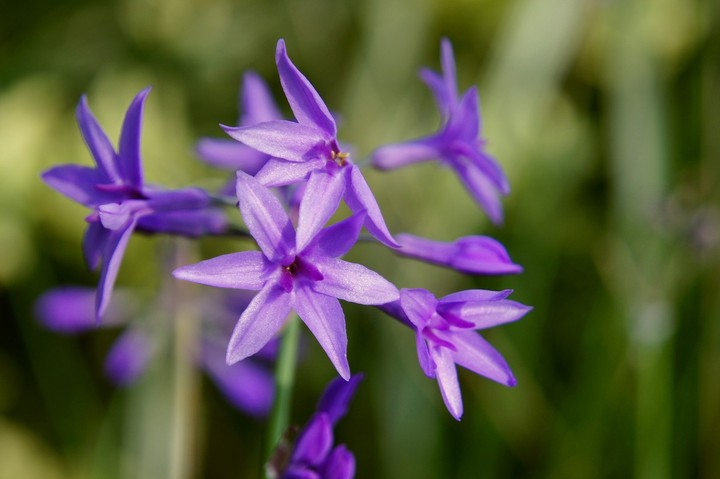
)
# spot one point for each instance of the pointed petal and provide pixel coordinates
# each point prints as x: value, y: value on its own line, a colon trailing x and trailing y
x: 464, y: 122
x: 481, y: 189
x: 79, y: 183
x: 306, y: 104
x: 486, y: 163
x: 230, y: 155
x: 358, y: 197
x: 484, y: 314
x: 469, y: 254
x: 244, y: 270
x: 258, y: 104
x: 278, y: 172
x: 448, y: 381
x: 112, y: 258
x: 325, y: 319
x: 265, y: 218
x: 128, y: 357
x: 322, y: 197
x: 314, y: 442
x: 336, y: 240
x: 447, y: 59
x: 476, y: 295
x: 340, y: 464
x: 96, y: 141
x: 248, y: 386
x: 129, y: 162
x: 437, y: 86
x: 419, y: 305
x: 477, y: 355
x: 93, y: 244
x: 353, y: 282
x: 68, y: 310
x: 337, y: 396
x: 281, y: 139
x: 261, y: 320
x: 426, y: 363
x: 192, y: 223
x: 393, y: 156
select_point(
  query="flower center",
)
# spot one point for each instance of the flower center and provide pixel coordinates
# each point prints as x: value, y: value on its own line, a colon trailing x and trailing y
x: 340, y: 157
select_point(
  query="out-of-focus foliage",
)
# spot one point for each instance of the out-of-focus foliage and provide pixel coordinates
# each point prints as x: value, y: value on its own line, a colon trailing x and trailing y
x: 605, y: 117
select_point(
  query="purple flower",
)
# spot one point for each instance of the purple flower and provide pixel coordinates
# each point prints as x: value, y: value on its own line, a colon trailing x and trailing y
x: 469, y: 254
x: 309, y: 150
x: 457, y: 144
x: 258, y: 106
x: 314, y: 456
x: 307, y: 277
x: 247, y: 385
x: 120, y: 200
x: 445, y: 335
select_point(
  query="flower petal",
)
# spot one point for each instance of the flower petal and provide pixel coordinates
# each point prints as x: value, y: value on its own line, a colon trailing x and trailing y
x: 340, y: 464
x: 393, y: 156
x: 67, y: 310
x: 128, y: 357
x: 481, y: 189
x: 112, y: 258
x: 79, y: 183
x: 314, y: 442
x: 337, y: 396
x: 264, y: 316
x: 247, y: 385
x: 93, y: 244
x: 281, y: 139
x: 192, y: 223
x: 484, y: 314
x: 325, y: 319
x: 258, y: 104
x: 353, y: 282
x: 306, y: 104
x: 336, y: 240
x: 243, y: 270
x: 447, y: 60
x: 476, y: 295
x: 322, y: 197
x: 358, y: 197
x: 477, y: 355
x: 448, y: 381
x: 426, y: 363
x: 97, y: 142
x: 230, y: 155
x: 278, y: 172
x: 129, y: 162
x: 265, y: 218
x: 419, y: 305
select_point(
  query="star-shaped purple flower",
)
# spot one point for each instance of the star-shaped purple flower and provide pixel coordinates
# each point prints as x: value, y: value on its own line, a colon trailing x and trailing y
x: 309, y: 150
x: 314, y: 456
x: 457, y: 144
x: 307, y: 277
x: 120, y: 200
x: 445, y: 335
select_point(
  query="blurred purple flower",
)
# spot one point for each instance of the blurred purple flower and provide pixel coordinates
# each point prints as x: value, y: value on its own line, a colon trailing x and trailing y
x: 469, y: 254
x: 120, y: 200
x: 457, y: 144
x: 307, y: 277
x: 314, y: 456
x: 258, y: 106
x: 445, y: 335
x: 248, y: 385
x: 309, y: 150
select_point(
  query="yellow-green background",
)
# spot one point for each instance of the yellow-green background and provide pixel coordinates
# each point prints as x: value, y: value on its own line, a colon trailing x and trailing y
x: 604, y: 115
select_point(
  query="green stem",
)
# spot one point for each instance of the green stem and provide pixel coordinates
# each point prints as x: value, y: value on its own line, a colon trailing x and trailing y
x: 284, y: 379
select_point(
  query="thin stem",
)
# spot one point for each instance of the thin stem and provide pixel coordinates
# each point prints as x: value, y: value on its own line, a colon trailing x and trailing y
x: 284, y: 380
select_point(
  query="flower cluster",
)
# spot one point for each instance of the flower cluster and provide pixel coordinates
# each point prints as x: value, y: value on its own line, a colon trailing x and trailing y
x: 290, y: 178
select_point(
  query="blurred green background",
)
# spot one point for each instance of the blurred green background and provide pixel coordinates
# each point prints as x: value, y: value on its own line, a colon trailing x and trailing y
x: 604, y: 115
